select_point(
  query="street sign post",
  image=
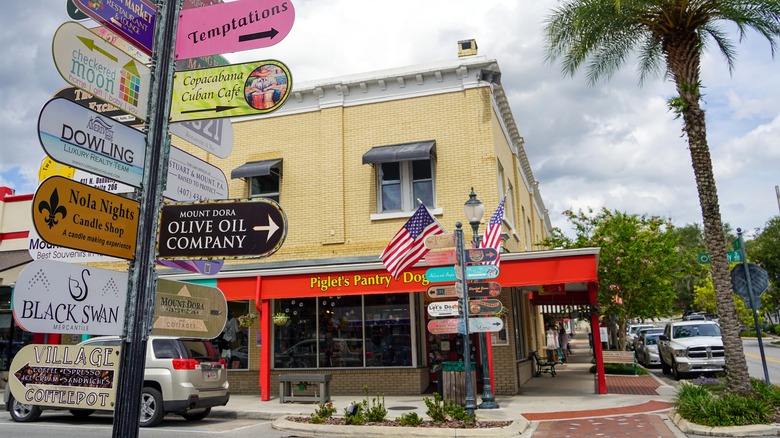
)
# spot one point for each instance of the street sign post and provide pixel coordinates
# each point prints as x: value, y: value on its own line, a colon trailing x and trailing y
x: 65, y: 376
x: 131, y: 19
x: 84, y: 139
x: 232, y: 27
x: 231, y: 90
x: 74, y: 215
x: 92, y: 64
x: 230, y: 229
x: 188, y: 309
x: 56, y: 297
x: 192, y: 179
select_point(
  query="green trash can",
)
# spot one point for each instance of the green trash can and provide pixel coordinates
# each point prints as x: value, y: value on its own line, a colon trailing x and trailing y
x: 454, y: 381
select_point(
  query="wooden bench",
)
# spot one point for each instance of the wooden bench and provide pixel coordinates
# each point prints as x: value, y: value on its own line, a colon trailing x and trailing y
x: 625, y: 357
x: 544, y: 366
x: 287, y: 389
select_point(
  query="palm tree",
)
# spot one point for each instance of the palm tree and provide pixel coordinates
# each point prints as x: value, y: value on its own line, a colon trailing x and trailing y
x: 603, y: 33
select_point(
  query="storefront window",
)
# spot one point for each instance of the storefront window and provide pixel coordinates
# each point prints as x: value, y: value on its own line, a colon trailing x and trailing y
x: 233, y: 342
x: 327, y: 332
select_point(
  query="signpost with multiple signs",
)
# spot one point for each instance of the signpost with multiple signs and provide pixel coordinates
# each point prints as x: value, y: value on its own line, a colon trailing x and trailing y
x: 74, y: 215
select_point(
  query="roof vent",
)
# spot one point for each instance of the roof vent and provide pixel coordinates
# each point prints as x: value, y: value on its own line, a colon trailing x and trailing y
x: 467, y: 48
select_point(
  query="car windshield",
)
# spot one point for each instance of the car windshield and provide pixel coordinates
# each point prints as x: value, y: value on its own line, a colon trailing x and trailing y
x: 687, y: 331
x: 651, y: 340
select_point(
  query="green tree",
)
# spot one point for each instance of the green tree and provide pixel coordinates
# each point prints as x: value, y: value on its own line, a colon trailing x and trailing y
x: 692, y: 273
x: 638, y: 263
x: 671, y: 34
x: 704, y: 300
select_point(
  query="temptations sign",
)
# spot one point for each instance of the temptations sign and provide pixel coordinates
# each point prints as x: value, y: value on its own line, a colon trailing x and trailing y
x: 231, y: 229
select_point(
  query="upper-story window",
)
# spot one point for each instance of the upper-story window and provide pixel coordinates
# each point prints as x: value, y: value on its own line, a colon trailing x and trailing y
x: 405, y: 173
x: 263, y: 178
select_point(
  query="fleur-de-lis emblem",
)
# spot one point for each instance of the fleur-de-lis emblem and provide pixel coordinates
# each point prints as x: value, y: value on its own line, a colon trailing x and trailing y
x: 53, y: 207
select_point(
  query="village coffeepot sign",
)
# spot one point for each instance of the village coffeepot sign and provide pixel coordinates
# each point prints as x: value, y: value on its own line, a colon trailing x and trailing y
x: 231, y: 229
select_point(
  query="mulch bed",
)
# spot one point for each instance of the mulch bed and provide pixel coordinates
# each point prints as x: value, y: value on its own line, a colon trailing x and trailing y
x: 333, y: 421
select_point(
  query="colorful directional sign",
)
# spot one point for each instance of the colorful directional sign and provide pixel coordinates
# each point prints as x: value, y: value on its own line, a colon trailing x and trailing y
x: 447, y: 256
x: 480, y: 255
x: 442, y: 291
x: 89, y: 101
x: 485, y: 307
x: 443, y: 308
x: 74, y: 215
x: 192, y: 179
x: 230, y: 229
x: 121, y: 44
x: 485, y: 325
x: 444, y: 326
x: 214, y: 136
x: 65, y: 376
x: 440, y: 257
x: 82, y: 138
x: 88, y: 62
x: 456, y: 325
x: 484, y: 289
x: 74, y: 12
x: 56, y: 297
x: 232, y: 27
x: 232, y: 90
x: 440, y: 241
x: 131, y: 19
x: 188, y: 309
x: 445, y: 274
x: 50, y: 167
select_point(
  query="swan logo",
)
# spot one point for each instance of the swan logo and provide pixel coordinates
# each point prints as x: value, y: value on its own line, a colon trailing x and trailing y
x: 78, y: 289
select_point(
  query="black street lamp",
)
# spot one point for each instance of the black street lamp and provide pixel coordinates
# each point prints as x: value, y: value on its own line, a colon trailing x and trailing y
x: 474, y: 209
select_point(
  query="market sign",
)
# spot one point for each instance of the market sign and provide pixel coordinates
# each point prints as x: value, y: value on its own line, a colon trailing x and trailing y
x: 65, y: 376
x: 192, y: 179
x: 40, y: 249
x: 78, y: 137
x: 232, y: 27
x: 133, y: 20
x: 55, y: 297
x: 92, y: 64
x: 229, y: 229
x: 228, y: 91
x: 74, y: 215
x: 188, y: 309
x: 214, y: 136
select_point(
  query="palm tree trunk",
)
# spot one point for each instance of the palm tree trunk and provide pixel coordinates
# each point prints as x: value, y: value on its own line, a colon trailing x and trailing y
x: 683, y: 61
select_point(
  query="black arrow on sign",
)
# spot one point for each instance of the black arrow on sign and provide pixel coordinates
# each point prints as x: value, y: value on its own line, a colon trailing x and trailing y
x: 256, y: 36
x: 215, y: 109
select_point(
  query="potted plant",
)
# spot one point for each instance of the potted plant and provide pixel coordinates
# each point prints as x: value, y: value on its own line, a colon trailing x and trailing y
x: 245, y: 321
x: 281, y: 319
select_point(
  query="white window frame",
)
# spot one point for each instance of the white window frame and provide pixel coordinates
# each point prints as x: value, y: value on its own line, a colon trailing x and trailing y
x: 408, y: 203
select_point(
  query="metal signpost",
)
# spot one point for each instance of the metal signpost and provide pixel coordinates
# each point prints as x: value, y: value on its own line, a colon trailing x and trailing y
x: 90, y: 63
x: 461, y: 268
x: 56, y: 297
x: 73, y: 135
x: 232, y: 27
x: 232, y: 90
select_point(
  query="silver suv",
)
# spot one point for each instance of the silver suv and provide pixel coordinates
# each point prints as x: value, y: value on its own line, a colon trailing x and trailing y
x: 181, y: 376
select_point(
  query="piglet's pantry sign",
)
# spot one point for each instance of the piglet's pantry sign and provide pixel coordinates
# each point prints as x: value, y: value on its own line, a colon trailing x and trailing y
x: 231, y: 229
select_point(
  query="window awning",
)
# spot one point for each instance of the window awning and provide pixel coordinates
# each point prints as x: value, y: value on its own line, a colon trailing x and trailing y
x: 422, y: 150
x: 255, y: 168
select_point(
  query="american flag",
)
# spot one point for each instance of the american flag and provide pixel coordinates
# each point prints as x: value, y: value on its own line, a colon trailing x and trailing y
x: 492, y: 237
x: 407, y: 246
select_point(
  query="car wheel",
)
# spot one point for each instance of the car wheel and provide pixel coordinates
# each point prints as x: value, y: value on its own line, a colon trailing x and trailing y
x: 152, y: 411
x: 82, y: 413
x: 675, y: 372
x: 666, y: 369
x: 196, y: 414
x: 23, y: 413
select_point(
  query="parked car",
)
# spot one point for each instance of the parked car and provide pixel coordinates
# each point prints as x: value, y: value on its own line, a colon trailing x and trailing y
x: 647, y: 350
x: 643, y: 331
x: 182, y: 376
x: 631, y: 334
x: 688, y: 347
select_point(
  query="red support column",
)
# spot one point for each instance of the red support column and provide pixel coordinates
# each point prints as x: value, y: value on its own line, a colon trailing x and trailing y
x: 264, y: 307
x: 601, y: 384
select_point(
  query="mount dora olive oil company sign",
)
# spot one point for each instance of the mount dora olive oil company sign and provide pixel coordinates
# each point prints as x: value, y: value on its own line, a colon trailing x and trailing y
x: 56, y: 297
x: 74, y: 215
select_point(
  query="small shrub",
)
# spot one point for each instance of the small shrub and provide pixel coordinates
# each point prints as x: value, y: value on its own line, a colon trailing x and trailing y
x: 459, y: 413
x: 435, y: 408
x: 698, y: 404
x: 322, y: 413
x: 410, y: 419
x: 376, y: 412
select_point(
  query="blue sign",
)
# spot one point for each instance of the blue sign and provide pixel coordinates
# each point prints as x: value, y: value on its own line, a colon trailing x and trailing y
x: 447, y: 273
x: 133, y: 20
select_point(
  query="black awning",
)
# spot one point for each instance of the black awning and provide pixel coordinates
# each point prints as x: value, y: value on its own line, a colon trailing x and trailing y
x: 255, y: 168
x: 422, y: 150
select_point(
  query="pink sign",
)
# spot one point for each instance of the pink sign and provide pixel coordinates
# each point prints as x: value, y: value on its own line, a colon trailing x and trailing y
x: 232, y: 27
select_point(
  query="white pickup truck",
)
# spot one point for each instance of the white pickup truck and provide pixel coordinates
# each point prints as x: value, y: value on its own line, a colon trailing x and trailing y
x: 688, y: 347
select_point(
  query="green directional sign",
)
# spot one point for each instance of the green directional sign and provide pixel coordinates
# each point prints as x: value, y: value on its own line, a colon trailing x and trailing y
x: 732, y: 256
x: 230, y: 90
x: 445, y: 274
x: 736, y: 245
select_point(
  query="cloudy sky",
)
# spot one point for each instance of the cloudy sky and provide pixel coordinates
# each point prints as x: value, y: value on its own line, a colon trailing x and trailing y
x: 611, y: 145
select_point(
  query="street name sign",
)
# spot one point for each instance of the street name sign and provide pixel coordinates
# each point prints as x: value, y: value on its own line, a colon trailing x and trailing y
x: 73, y: 135
x: 65, y: 376
x: 133, y: 20
x: 192, y: 179
x: 443, y: 308
x: 40, y: 249
x: 188, y: 309
x: 232, y: 27
x: 731, y: 256
x: 231, y: 90
x: 88, y: 62
x: 89, y: 101
x: 56, y: 297
x: 445, y: 274
x: 440, y: 241
x: 229, y: 229
x: 74, y: 215
x: 214, y: 136
x: 485, y: 307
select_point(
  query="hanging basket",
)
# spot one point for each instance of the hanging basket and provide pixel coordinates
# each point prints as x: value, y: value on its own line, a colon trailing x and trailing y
x: 281, y: 319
